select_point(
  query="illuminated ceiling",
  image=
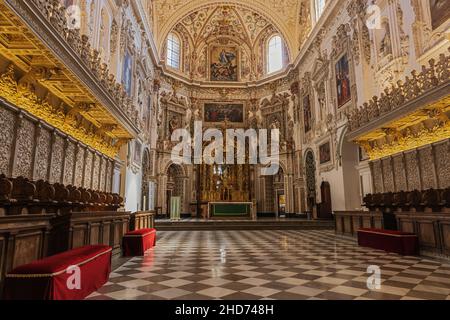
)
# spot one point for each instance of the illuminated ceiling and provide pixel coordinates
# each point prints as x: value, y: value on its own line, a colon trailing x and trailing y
x: 282, y: 14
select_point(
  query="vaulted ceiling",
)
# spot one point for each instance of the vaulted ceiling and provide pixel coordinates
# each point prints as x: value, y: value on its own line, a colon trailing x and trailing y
x: 283, y: 15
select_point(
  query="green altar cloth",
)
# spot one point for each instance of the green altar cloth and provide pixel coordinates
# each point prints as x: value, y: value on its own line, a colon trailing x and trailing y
x: 230, y: 209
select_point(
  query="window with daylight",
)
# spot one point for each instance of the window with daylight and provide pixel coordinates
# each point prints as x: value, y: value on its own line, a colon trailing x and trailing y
x: 320, y: 6
x: 275, y: 54
x: 173, y: 51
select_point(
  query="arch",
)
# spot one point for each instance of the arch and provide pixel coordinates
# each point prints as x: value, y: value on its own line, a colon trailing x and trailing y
x: 174, y: 185
x: 171, y: 163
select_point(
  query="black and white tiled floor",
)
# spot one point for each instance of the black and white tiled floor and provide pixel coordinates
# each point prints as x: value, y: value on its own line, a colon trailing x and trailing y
x: 240, y: 265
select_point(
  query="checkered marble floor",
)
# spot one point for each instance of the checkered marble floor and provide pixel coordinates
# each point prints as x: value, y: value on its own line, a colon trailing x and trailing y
x: 242, y: 265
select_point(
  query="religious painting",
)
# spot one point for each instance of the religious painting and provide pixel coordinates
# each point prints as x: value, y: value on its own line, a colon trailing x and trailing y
x: 343, y: 80
x: 219, y: 112
x: 224, y: 63
x: 325, y: 153
x: 127, y: 75
x: 307, y: 115
x: 440, y: 12
x: 137, y: 157
x: 175, y: 122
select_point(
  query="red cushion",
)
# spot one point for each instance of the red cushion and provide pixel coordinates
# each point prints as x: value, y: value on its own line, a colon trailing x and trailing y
x: 60, y: 262
x: 141, y: 232
x: 387, y: 232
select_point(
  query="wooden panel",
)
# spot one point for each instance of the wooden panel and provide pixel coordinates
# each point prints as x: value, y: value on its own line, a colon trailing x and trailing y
x: 94, y: 234
x: 406, y: 225
x: 106, y: 234
x: 378, y: 222
x: 339, y: 224
x: 3, y: 246
x: 79, y: 236
x: 367, y: 222
x: 22, y: 240
x: 348, y: 229
x: 426, y: 233
x: 27, y: 248
x: 445, y: 236
x: 117, y: 234
x: 356, y: 222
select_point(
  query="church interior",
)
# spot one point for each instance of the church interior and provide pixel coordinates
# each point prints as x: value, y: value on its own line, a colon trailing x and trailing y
x: 115, y: 114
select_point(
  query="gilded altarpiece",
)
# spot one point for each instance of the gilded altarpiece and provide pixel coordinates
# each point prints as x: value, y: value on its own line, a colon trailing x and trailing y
x: 225, y: 182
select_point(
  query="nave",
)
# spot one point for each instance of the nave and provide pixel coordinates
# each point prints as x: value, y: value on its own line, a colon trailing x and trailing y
x: 254, y: 265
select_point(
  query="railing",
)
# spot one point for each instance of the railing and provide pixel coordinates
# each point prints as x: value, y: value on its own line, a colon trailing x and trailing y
x: 420, y: 83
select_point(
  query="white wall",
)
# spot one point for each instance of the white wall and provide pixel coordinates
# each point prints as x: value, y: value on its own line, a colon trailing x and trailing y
x: 133, y: 184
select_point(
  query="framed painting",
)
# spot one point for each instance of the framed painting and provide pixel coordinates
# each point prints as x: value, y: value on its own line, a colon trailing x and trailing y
x: 342, y: 72
x: 440, y: 12
x: 325, y: 153
x: 219, y: 112
x: 307, y: 115
x: 224, y: 63
x: 137, y: 156
x: 127, y: 76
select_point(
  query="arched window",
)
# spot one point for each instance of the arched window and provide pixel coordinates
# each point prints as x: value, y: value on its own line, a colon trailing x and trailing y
x: 274, y: 54
x: 173, y: 51
x: 320, y: 5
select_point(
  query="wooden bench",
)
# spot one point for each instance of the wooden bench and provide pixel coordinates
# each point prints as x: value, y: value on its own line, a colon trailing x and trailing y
x: 136, y: 243
x: 56, y: 277
x: 403, y: 243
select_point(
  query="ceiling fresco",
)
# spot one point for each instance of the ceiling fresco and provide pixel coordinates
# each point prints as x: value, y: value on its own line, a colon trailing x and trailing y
x: 248, y: 18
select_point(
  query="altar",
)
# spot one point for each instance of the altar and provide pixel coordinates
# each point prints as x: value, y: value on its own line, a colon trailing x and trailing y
x: 224, y: 210
x: 225, y: 189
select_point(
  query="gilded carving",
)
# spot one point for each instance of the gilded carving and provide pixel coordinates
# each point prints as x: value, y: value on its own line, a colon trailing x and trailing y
x: 24, y: 97
x: 433, y: 128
